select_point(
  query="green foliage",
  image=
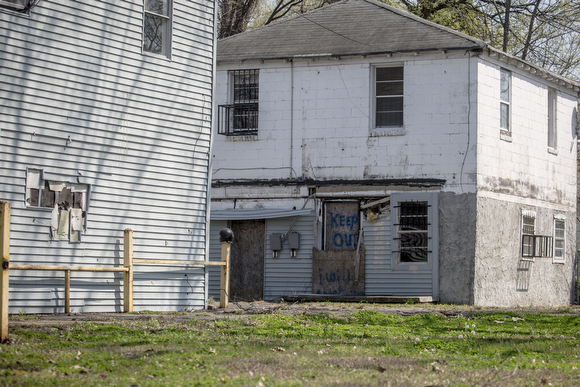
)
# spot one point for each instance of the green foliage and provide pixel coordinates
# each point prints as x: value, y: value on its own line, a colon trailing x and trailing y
x: 362, y: 348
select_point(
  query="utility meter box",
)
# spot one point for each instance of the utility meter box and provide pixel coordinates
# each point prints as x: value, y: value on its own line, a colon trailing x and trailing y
x: 276, y: 242
x: 294, y: 240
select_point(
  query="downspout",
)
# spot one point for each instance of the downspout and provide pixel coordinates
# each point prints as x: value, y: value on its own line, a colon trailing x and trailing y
x: 213, y: 130
x: 291, y: 115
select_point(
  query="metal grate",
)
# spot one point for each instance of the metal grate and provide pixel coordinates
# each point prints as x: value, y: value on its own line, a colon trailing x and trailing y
x: 413, y: 235
x: 539, y: 246
x: 240, y: 118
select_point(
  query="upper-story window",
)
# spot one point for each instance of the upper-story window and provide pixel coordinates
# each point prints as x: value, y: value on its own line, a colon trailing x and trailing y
x: 240, y: 117
x: 552, y: 137
x: 505, y: 100
x: 16, y: 5
x: 157, y: 27
x: 388, y: 97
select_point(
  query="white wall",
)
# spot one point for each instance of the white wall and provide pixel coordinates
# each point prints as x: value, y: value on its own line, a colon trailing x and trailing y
x: 83, y: 103
x: 523, y: 165
x: 332, y: 119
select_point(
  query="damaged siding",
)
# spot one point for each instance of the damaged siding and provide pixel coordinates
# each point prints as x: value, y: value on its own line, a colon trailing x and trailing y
x: 84, y: 105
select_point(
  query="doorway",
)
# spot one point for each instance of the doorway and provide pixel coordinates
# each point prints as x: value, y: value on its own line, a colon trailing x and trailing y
x: 247, y: 260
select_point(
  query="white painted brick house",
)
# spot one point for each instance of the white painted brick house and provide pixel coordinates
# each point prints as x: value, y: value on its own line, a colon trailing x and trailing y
x: 105, y: 124
x: 360, y: 139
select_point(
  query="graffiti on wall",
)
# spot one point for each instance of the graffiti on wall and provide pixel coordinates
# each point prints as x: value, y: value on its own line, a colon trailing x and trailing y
x: 334, y: 272
x: 341, y: 225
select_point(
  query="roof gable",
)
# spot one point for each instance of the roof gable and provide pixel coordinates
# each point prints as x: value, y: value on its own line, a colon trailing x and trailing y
x: 346, y: 28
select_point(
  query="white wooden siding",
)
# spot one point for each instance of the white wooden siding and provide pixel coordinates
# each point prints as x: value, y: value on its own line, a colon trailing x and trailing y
x: 80, y: 101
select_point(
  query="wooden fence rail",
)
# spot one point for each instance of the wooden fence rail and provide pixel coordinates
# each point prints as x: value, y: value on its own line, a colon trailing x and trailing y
x: 127, y: 270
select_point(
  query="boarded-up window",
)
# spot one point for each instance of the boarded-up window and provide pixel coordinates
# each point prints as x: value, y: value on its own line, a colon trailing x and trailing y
x: 341, y: 225
x: 68, y: 201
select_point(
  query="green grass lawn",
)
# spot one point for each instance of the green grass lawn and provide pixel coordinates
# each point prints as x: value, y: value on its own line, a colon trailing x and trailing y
x: 363, y: 348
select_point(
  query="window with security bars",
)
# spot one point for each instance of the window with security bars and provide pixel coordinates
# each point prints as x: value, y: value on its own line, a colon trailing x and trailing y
x: 539, y: 246
x: 241, y: 116
x: 388, y: 97
x: 412, y: 230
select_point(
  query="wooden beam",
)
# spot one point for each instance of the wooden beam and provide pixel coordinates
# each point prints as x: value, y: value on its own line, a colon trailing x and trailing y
x: 5, y: 250
x: 128, y: 275
x: 67, y: 291
x: 176, y: 262
x: 64, y: 268
x: 225, y: 275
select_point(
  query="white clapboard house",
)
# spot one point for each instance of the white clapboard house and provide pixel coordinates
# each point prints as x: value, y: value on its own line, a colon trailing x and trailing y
x: 363, y: 151
x: 105, y: 124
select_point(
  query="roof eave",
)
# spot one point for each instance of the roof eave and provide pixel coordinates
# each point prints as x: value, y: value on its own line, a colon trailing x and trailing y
x: 350, y: 55
x: 533, y: 69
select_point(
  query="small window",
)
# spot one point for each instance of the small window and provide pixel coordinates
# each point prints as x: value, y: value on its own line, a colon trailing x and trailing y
x: 505, y: 100
x: 15, y: 5
x: 559, y: 240
x: 157, y: 27
x: 552, y: 137
x: 240, y: 117
x: 413, y: 232
x: 388, y: 97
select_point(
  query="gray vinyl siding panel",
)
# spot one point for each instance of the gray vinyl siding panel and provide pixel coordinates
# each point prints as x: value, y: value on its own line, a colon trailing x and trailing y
x: 380, y: 279
x: 285, y: 275
x: 215, y: 254
x: 140, y: 127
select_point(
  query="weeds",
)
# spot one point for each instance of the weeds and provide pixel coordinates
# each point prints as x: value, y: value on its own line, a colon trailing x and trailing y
x: 365, y: 348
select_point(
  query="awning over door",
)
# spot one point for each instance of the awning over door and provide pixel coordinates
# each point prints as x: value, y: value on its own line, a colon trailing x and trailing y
x: 260, y: 213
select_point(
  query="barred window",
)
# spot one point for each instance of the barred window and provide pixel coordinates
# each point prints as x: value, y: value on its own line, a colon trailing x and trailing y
x: 413, y: 232
x: 540, y: 246
x: 241, y: 116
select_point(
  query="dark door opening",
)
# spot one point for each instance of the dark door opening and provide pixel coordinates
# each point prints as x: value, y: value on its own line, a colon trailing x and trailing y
x: 247, y: 260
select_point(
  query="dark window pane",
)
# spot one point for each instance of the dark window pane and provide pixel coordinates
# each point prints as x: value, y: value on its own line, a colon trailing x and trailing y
x: 390, y: 104
x: 153, y: 34
x: 160, y: 7
x: 389, y: 88
x: 389, y: 74
x: 389, y: 119
x: 505, y: 116
x: 46, y: 198
x: 33, y: 199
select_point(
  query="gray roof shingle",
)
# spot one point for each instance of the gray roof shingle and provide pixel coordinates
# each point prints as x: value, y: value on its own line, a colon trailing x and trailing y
x: 346, y: 28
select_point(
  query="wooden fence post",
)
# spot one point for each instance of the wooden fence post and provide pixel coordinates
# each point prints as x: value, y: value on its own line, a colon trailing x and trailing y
x: 67, y: 291
x: 128, y: 275
x: 226, y: 238
x: 225, y: 276
x: 5, y: 250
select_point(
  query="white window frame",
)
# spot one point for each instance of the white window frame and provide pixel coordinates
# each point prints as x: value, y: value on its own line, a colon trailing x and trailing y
x: 558, y: 221
x: 552, y: 118
x: 505, y: 103
x: 374, y: 98
x: 166, y: 33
